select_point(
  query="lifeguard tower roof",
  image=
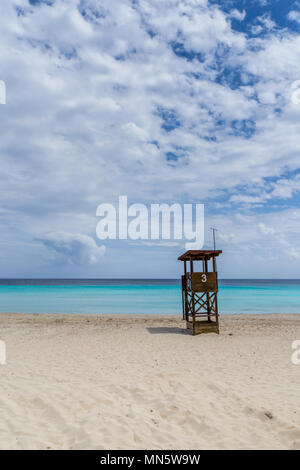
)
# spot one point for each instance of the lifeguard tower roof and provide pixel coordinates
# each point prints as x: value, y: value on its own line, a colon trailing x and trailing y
x: 199, y: 255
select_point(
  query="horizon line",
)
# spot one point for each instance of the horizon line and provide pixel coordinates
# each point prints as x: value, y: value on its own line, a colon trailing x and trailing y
x: 139, y: 279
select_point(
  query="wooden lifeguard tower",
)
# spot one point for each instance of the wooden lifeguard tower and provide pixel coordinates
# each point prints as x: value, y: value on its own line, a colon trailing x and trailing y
x: 199, y: 291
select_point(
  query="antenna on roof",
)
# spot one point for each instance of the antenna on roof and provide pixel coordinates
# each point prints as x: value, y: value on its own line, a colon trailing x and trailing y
x: 214, y: 230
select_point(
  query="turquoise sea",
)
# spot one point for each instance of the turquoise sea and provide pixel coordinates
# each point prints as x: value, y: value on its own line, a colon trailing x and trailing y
x: 142, y: 296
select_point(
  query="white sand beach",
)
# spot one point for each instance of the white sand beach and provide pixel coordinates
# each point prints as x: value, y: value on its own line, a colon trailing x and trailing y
x: 142, y: 382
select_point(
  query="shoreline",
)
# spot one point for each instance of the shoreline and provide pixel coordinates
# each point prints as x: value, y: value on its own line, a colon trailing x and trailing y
x: 141, y: 315
x: 227, y: 321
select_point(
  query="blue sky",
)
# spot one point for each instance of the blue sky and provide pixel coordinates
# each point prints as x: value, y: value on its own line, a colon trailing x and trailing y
x: 181, y: 101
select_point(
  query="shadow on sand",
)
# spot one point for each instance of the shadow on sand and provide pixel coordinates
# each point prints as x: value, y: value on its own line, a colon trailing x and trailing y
x: 167, y: 330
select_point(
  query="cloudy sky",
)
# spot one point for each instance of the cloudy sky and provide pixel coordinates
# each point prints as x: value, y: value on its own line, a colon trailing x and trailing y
x: 160, y: 100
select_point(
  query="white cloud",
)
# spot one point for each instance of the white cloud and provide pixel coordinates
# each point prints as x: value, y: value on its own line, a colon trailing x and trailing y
x: 238, y: 15
x: 246, y: 199
x: 294, y: 15
x: 263, y: 23
x: 265, y: 229
x: 263, y: 245
x: 72, y: 248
